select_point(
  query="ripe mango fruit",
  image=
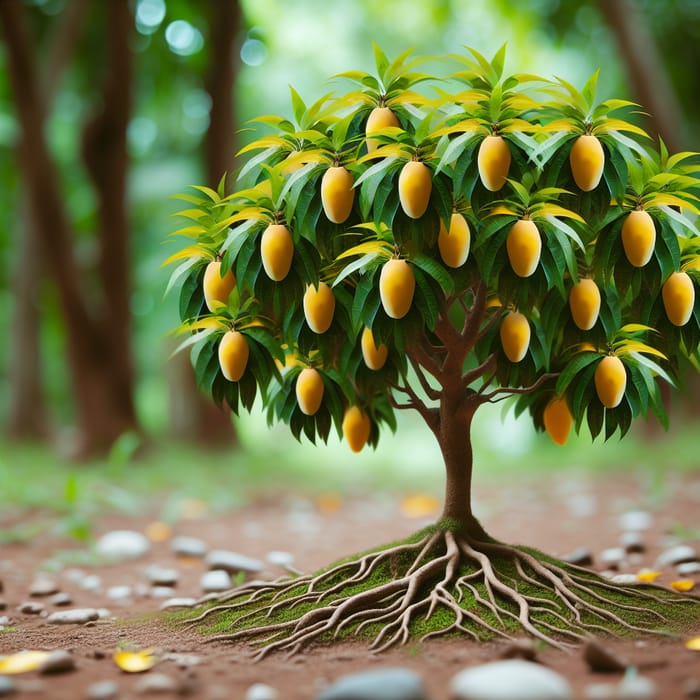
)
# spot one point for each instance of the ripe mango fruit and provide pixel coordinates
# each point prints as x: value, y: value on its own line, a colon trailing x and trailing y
x: 397, y: 284
x: 379, y: 118
x: 515, y: 335
x: 584, y: 303
x: 587, y: 161
x: 524, y: 247
x: 558, y: 420
x: 493, y: 161
x: 277, y: 251
x: 610, y: 381
x: 638, y: 237
x: 217, y: 287
x: 233, y: 355
x: 415, y: 186
x: 453, y: 242
x: 309, y: 390
x: 678, y: 295
x: 374, y: 357
x: 356, y: 428
x: 319, y: 307
x: 337, y: 193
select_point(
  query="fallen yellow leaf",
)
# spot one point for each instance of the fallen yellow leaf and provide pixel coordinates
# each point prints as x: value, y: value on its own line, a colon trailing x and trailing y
x: 693, y: 644
x: 328, y: 503
x: 683, y: 586
x: 419, y: 505
x: 135, y: 661
x: 648, y: 576
x: 22, y: 661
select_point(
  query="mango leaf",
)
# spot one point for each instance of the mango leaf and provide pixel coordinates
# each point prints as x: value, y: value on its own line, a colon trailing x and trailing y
x: 22, y: 662
x: 135, y: 661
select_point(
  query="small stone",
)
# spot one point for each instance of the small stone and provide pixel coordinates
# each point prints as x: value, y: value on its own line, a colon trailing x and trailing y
x: 43, y: 586
x: 7, y: 686
x: 119, y: 592
x: 91, y: 583
x: 162, y: 576
x: 61, y: 599
x: 612, y: 557
x: 123, y: 544
x: 579, y: 557
x: 31, y: 607
x: 635, y: 520
x: 103, y: 690
x: 156, y: 683
x: 680, y: 554
x: 3, y: 604
x: 162, y: 592
x: 278, y: 558
x: 4, y: 620
x: 601, y: 691
x: 382, y: 684
x: 691, y: 688
x: 510, y: 680
x: 58, y: 661
x: 601, y: 660
x: 185, y: 546
x: 233, y: 562
x: 633, y: 687
x: 625, y: 579
x: 260, y: 691
x: 688, y: 568
x: 632, y: 542
x: 215, y: 581
x: 76, y: 616
x: 178, y: 603
x: 520, y: 649
x: 183, y: 660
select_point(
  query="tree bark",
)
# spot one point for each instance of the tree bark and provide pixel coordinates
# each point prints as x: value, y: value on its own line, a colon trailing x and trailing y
x: 193, y: 416
x: 101, y: 414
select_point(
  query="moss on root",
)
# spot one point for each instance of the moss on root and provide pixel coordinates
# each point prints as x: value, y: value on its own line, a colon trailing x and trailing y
x: 439, y: 582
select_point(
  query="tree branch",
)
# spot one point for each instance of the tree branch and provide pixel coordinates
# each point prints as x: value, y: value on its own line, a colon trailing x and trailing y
x: 480, y: 371
x: 511, y: 391
x: 431, y: 393
x: 429, y: 415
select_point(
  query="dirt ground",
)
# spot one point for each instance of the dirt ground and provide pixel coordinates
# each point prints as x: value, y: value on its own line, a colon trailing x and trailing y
x: 557, y: 514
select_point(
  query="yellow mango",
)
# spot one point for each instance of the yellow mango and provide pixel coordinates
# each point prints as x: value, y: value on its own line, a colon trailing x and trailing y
x: 584, y: 303
x: 558, y: 420
x: 397, y: 285
x: 524, y: 247
x: 277, y: 251
x: 379, y: 118
x: 453, y: 243
x: 610, y: 381
x: 356, y: 428
x: 493, y: 161
x: 309, y: 390
x: 233, y: 355
x: 319, y: 307
x: 638, y: 237
x: 515, y: 335
x: 415, y: 185
x: 587, y: 161
x: 217, y: 287
x: 337, y: 193
x: 678, y: 294
x: 374, y: 356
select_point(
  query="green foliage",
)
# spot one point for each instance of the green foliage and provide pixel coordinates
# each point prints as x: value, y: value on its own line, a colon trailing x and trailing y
x: 455, y: 314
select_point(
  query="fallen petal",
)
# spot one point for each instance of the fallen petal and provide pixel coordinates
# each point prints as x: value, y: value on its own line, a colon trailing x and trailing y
x: 683, y: 586
x: 693, y: 644
x: 419, y: 505
x: 135, y: 661
x: 648, y: 576
x: 22, y: 661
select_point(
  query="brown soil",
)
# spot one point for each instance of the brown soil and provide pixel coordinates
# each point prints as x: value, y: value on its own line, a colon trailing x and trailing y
x: 554, y: 513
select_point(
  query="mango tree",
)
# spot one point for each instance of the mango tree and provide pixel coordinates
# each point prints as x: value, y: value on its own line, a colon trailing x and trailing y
x: 488, y: 237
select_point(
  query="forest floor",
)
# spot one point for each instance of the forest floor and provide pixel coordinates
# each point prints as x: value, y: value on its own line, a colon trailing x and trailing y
x: 557, y: 513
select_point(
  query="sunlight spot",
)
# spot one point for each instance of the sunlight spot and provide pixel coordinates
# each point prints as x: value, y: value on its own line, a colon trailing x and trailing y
x: 183, y: 38
x: 149, y: 15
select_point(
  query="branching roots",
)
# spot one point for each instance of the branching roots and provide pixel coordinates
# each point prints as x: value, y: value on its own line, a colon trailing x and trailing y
x: 443, y: 583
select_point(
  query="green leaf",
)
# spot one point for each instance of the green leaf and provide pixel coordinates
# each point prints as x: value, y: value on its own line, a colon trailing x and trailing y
x: 436, y: 271
x: 578, y: 363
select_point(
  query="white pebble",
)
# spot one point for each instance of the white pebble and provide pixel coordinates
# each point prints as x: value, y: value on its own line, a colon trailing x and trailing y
x: 635, y: 520
x: 77, y: 616
x: 123, y: 544
x: 260, y: 691
x: 215, y: 581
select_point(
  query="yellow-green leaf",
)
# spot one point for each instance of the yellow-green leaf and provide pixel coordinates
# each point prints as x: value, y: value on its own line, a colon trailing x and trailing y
x: 372, y: 247
x: 628, y: 345
x: 191, y: 251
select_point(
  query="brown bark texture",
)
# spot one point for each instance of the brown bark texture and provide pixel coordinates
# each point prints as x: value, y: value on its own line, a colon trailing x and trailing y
x: 97, y: 330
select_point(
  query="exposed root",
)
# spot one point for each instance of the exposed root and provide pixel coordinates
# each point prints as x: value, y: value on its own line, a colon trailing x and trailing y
x: 442, y: 583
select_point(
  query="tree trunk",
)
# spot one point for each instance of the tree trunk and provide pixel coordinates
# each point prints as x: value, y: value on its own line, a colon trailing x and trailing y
x: 103, y: 406
x: 454, y: 437
x: 193, y: 416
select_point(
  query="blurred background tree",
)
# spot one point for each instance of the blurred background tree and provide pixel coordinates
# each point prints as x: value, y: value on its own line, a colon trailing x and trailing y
x: 106, y: 109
